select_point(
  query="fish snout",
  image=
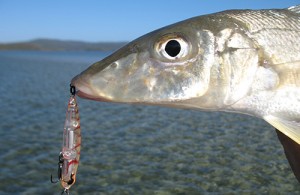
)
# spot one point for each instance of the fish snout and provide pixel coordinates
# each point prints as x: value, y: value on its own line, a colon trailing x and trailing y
x: 85, y: 89
x: 82, y: 86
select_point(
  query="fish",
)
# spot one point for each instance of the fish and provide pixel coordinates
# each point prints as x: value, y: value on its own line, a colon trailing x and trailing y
x: 242, y: 61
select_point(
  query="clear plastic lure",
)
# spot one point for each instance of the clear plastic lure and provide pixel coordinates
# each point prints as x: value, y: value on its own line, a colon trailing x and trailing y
x: 70, y: 154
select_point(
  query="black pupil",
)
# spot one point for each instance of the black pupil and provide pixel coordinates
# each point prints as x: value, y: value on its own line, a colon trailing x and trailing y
x: 173, y: 48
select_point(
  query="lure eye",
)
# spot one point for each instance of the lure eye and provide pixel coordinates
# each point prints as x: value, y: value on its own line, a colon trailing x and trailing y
x: 172, y: 48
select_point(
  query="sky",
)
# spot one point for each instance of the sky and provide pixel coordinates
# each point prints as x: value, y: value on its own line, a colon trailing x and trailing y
x: 107, y: 20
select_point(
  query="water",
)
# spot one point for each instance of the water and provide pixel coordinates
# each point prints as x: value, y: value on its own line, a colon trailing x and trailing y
x: 127, y: 149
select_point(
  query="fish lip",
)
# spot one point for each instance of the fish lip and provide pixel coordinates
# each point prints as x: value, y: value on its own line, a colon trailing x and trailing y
x: 84, y: 95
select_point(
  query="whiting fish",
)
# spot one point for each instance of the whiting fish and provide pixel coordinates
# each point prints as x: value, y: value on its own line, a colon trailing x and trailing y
x: 244, y: 61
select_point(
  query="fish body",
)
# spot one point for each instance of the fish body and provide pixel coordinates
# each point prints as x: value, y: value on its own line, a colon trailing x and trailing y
x: 245, y: 61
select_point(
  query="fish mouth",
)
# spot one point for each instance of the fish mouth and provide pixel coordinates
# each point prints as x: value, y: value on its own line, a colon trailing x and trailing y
x: 84, y: 95
x: 84, y: 90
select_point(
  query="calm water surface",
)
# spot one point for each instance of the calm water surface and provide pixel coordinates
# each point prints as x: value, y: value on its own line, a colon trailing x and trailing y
x: 127, y: 149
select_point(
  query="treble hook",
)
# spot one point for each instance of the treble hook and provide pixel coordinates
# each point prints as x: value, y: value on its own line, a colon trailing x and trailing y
x: 59, y: 170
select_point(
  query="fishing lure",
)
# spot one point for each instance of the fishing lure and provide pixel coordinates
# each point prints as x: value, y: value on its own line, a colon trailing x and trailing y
x: 70, y: 153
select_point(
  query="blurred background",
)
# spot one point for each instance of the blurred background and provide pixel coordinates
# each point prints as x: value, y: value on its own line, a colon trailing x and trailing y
x: 126, y: 149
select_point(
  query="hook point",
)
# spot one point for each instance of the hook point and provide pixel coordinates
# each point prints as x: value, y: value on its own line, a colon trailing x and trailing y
x: 52, y: 180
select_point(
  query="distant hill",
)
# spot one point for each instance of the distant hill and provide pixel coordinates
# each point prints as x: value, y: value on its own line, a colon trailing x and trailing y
x: 59, y: 45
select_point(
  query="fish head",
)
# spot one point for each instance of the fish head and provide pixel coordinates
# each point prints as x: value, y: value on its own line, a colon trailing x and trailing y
x: 167, y: 66
x: 170, y: 66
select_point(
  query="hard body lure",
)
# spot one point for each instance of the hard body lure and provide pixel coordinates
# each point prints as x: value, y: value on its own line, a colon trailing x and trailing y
x: 70, y: 154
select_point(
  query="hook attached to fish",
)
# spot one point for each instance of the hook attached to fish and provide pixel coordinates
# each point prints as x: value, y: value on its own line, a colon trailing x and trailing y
x: 70, y: 153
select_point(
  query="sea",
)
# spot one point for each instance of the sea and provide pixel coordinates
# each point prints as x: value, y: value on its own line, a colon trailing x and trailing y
x: 126, y: 149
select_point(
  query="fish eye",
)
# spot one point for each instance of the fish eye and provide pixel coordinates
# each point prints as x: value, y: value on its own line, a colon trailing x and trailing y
x: 172, y: 48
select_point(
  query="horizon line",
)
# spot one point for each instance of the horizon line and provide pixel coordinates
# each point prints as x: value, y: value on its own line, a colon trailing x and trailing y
x: 62, y: 40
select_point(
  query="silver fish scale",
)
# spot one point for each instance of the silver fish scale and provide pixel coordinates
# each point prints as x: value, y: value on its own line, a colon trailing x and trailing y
x: 267, y: 19
x: 275, y: 31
